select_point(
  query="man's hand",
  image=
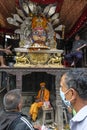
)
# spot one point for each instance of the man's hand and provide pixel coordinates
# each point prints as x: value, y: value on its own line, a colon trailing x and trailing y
x: 81, y: 47
x: 9, y: 47
x: 7, y: 50
x: 37, y: 127
x: 38, y: 100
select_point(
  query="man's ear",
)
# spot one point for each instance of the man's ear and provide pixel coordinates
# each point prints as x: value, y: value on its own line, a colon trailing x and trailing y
x: 73, y: 95
x: 19, y: 107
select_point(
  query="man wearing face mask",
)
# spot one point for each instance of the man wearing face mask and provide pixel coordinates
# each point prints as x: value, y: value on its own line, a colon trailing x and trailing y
x: 43, y: 95
x: 74, y: 91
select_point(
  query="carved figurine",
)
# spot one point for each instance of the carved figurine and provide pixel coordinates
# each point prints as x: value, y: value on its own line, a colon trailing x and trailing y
x: 55, y: 59
x: 22, y: 59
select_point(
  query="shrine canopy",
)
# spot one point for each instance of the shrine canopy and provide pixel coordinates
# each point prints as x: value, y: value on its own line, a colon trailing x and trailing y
x: 73, y: 14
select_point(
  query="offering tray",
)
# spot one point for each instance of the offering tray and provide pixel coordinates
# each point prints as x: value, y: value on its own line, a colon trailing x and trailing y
x: 34, y: 48
x: 39, y: 51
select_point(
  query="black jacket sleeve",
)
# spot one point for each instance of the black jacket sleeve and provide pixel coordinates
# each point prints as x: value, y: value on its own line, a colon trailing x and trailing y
x: 21, y: 123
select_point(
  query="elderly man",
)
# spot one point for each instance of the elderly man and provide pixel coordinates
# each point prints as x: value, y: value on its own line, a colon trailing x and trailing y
x: 11, y: 117
x: 74, y: 91
x: 43, y: 95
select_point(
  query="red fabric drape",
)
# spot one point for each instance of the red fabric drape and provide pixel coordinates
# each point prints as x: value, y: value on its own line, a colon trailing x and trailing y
x: 4, y: 30
x: 17, y: 3
x: 42, y: 1
x: 45, y: 2
x: 78, y: 24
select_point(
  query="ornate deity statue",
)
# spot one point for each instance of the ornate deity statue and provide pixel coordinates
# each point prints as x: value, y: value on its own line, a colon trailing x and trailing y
x: 38, y: 27
x: 39, y: 32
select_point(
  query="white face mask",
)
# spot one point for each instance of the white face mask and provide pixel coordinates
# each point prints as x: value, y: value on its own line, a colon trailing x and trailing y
x: 67, y: 103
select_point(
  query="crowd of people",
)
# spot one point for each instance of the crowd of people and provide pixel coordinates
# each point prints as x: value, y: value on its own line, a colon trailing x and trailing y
x: 73, y: 92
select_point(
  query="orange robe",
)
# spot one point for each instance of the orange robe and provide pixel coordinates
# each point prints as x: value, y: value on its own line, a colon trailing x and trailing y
x: 36, y: 105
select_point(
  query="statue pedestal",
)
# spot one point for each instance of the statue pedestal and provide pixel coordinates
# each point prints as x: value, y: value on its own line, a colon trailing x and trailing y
x: 40, y: 57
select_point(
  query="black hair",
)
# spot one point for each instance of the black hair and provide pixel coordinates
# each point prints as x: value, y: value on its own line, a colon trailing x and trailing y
x: 77, y: 34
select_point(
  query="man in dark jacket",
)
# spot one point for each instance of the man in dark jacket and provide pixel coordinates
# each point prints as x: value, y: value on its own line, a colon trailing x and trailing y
x: 11, y: 117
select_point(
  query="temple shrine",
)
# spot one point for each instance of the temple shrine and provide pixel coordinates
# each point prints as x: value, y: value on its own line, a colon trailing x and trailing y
x: 39, y: 35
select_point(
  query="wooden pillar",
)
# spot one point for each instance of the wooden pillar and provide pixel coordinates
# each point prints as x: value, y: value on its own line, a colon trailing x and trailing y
x: 19, y: 80
x: 59, y: 110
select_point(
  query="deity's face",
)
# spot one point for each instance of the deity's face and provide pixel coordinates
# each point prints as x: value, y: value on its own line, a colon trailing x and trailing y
x: 39, y: 34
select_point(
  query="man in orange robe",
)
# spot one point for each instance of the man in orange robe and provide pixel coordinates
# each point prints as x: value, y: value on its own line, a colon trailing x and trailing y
x: 43, y: 95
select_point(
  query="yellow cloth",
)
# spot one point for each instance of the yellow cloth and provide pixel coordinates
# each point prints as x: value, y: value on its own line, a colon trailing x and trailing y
x: 42, y: 84
x: 36, y: 105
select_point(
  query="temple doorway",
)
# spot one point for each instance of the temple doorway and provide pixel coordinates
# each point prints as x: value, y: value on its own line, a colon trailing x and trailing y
x: 31, y: 85
x: 31, y: 82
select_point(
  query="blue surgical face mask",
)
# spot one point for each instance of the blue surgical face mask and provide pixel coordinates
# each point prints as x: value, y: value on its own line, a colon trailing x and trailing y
x: 67, y: 103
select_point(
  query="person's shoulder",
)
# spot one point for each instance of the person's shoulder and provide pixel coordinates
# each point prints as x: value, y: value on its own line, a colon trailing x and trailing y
x: 26, y: 121
x: 47, y: 89
x: 75, y: 42
x: 83, y: 41
x: 21, y: 123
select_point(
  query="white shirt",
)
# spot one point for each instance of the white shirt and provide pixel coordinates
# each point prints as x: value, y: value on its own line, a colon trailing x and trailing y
x: 79, y: 121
